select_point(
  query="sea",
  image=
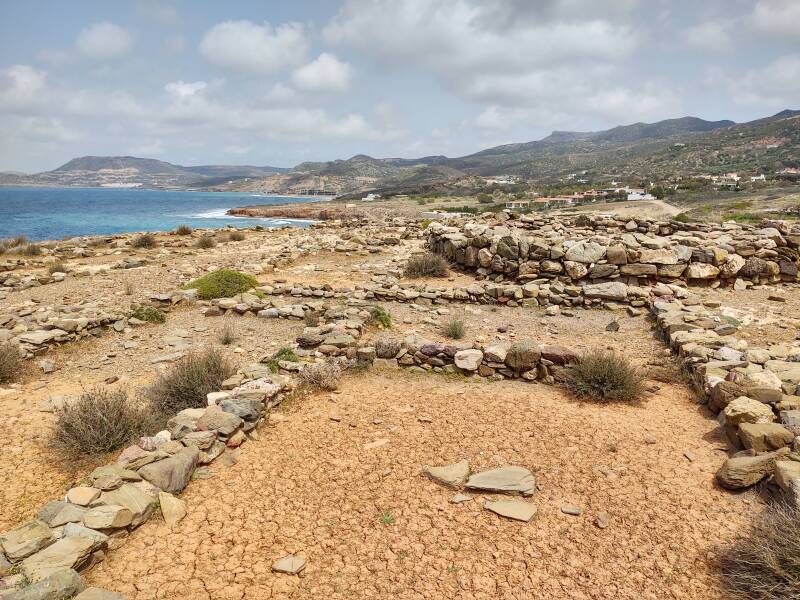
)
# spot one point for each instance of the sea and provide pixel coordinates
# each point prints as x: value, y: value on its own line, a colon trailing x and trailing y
x: 57, y: 213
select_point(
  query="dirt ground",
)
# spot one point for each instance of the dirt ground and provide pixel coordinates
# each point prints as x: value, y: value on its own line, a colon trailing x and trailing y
x: 371, y: 526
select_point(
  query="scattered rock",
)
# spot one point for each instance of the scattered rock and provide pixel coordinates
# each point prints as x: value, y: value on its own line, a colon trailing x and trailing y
x: 512, y: 509
x: 290, y: 564
x: 505, y: 479
x: 450, y: 475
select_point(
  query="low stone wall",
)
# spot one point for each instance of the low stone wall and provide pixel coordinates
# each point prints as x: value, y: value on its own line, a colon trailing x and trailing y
x: 753, y: 391
x: 97, y: 514
x: 606, y: 261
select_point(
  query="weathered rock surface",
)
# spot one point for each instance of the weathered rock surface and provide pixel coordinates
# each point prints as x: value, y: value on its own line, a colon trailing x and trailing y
x: 512, y: 509
x: 505, y: 479
x: 174, y: 473
x: 743, y: 471
x: 60, y: 585
x: 451, y: 475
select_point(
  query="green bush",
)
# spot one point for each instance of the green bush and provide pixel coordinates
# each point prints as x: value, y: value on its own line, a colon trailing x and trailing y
x: 764, y: 563
x: 381, y: 316
x: 426, y: 265
x: 284, y: 353
x: 188, y: 381
x: 455, y: 329
x: 100, y: 421
x: 149, y: 314
x: 223, y: 283
x: 183, y: 230
x: 605, y: 377
x: 146, y: 240
x: 10, y: 362
x: 485, y: 199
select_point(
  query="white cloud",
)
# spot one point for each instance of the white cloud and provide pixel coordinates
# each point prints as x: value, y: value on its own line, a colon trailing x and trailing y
x: 104, y: 41
x: 711, y: 35
x: 184, y: 90
x: 251, y: 48
x: 324, y: 74
x: 773, y: 87
x: 508, y: 54
x: 154, y: 148
x: 21, y: 87
x: 778, y: 17
x: 158, y: 10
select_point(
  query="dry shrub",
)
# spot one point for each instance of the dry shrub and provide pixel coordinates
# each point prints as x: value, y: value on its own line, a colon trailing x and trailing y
x: 188, y: 381
x: 426, y: 265
x: 235, y: 236
x: 183, y: 230
x: 605, y: 377
x: 228, y: 333
x: 205, y: 242
x: 764, y: 564
x: 146, y: 240
x: 10, y: 362
x: 30, y: 250
x: 150, y: 314
x: 455, y: 329
x: 311, y: 318
x: 57, y: 267
x: 100, y: 421
x: 323, y: 375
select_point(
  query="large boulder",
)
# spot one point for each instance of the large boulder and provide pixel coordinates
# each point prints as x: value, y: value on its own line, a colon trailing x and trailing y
x: 60, y: 585
x: 523, y: 356
x: 743, y: 471
x: 66, y: 553
x: 174, y: 473
x: 763, y: 437
x: 26, y: 539
x: 468, y: 360
x: 746, y: 410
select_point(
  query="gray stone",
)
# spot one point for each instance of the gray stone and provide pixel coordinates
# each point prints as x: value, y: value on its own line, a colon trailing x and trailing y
x: 505, y: 479
x: 247, y: 409
x: 215, y: 419
x: 451, y: 475
x: 571, y: 509
x: 94, y: 593
x: 172, y: 509
x: 512, y: 509
x: 743, y: 471
x: 585, y: 252
x: 290, y: 564
x: 468, y: 360
x: 26, y: 539
x: 107, y: 517
x: 763, y: 437
x: 66, y: 553
x: 60, y: 585
x: 612, y: 290
x: 76, y: 530
x: 58, y: 512
x: 174, y: 473
x: 131, y: 497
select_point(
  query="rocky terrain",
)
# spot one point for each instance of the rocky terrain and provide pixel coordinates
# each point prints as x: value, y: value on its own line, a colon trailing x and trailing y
x: 440, y: 466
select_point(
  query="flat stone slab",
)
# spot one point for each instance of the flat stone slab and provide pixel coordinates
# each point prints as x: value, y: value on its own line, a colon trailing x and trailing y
x: 507, y: 480
x: 451, y: 475
x: 26, y: 539
x: 172, y: 509
x: 61, y: 584
x: 174, y: 473
x: 94, y: 593
x: 66, y: 553
x: 512, y: 509
x: 290, y: 564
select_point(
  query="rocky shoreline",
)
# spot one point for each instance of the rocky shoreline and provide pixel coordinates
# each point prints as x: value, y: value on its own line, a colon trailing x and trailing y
x: 314, y: 213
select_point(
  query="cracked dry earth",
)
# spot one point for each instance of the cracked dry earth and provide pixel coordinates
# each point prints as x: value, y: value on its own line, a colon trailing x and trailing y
x: 371, y: 526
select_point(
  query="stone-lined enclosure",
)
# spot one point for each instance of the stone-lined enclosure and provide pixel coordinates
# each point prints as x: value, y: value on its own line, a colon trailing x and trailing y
x: 605, y: 258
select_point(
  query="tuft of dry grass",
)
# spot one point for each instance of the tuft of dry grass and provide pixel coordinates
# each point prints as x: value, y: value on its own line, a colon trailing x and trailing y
x: 228, y: 333
x: 183, y: 230
x: 605, y: 377
x: 426, y: 265
x: 764, y: 563
x: 236, y: 236
x: 455, y: 328
x: 188, y: 381
x: 30, y: 250
x: 57, y: 267
x: 205, y: 242
x: 145, y: 240
x: 311, y: 318
x: 98, y: 422
x: 10, y: 362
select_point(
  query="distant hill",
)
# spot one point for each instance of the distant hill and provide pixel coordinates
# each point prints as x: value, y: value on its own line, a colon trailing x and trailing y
x: 683, y: 146
x: 131, y: 171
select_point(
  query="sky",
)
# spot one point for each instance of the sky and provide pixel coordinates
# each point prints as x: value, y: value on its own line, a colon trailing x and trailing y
x: 279, y: 83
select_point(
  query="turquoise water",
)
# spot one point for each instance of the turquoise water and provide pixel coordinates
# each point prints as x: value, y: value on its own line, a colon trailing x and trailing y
x: 55, y: 213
